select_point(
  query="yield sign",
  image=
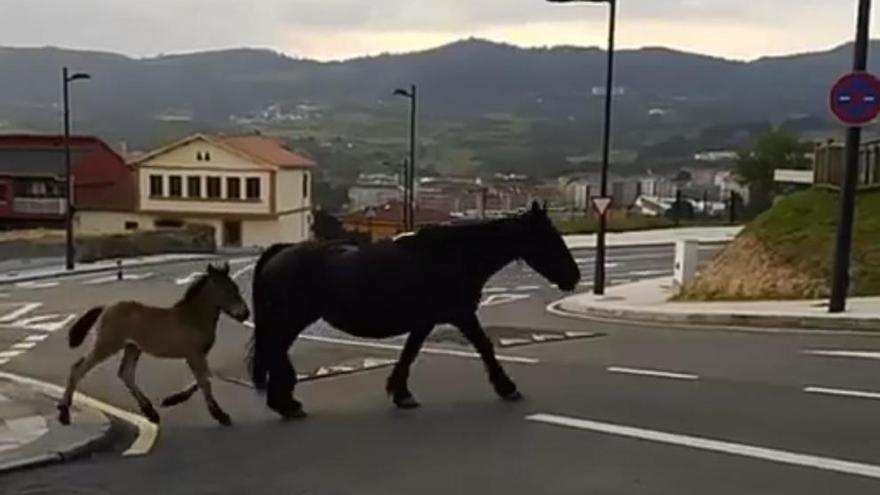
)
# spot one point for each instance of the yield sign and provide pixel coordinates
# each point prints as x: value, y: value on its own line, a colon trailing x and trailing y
x: 601, y: 205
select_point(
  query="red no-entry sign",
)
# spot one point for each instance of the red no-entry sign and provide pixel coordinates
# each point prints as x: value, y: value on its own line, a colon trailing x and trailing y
x: 855, y: 99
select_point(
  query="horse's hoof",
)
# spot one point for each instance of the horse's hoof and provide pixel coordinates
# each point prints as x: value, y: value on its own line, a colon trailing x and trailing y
x: 292, y: 412
x: 223, y: 419
x: 64, y: 415
x: 406, y: 402
x: 514, y: 396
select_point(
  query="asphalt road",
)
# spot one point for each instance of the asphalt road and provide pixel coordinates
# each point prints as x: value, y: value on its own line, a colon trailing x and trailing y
x: 610, y: 408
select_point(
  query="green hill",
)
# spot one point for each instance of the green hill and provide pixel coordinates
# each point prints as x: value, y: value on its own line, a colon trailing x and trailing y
x: 786, y: 253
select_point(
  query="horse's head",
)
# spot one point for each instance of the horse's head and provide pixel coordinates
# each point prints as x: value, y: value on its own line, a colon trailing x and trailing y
x: 225, y: 292
x: 543, y: 249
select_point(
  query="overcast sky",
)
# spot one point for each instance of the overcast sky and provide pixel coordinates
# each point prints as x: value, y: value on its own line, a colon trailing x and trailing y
x: 333, y: 29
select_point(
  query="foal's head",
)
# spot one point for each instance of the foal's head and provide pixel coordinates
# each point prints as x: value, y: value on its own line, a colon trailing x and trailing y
x: 543, y: 249
x: 223, y: 291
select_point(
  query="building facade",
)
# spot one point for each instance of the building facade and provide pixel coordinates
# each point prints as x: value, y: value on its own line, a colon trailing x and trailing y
x: 33, y: 176
x: 251, y: 189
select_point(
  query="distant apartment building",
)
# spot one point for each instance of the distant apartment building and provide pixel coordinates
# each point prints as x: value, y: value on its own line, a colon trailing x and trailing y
x: 251, y: 189
x: 373, y: 190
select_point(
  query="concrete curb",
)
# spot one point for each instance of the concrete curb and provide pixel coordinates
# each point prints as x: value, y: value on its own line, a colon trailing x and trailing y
x: 105, y: 269
x: 664, y: 242
x: 737, y: 321
x: 90, y: 432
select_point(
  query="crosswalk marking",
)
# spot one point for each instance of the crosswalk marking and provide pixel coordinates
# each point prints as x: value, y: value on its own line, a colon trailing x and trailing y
x: 27, y: 308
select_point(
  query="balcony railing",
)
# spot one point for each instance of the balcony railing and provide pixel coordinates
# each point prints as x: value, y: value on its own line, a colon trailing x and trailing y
x: 38, y: 206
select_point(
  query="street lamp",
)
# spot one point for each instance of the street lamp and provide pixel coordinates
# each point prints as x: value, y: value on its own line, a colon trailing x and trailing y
x: 599, y: 271
x: 409, y: 177
x: 67, y: 78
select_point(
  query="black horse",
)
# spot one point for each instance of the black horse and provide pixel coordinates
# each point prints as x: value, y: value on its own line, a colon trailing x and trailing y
x: 391, y: 288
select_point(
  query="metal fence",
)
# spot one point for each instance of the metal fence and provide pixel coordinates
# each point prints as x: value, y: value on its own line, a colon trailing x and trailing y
x: 829, y: 158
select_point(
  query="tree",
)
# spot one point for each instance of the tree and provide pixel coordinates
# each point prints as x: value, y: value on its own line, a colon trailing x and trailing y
x: 755, y: 167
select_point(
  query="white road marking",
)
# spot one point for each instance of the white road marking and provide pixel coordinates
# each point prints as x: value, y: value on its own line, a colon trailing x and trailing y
x: 575, y: 335
x: 3, y: 361
x: 101, y: 280
x: 37, y: 338
x: 10, y: 354
x: 24, y: 345
x: 515, y: 341
x: 860, y: 394
x: 843, y: 353
x: 700, y: 443
x: 238, y: 261
x: 496, y: 299
x: 113, y: 278
x: 377, y: 362
x: 526, y: 288
x: 545, y: 337
x: 40, y: 323
x: 396, y: 347
x: 188, y: 279
x: 652, y: 373
x: 21, y: 431
x: 28, y: 307
x: 649, y: 273
x: 36, y: 284
x: 147, y: 432
x: 495, y: 290
x: 243, y: 270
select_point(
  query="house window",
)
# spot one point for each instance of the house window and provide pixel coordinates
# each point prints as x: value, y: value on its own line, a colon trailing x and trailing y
x: 175, y: 186
x: 194, y: 187
x: 305, y: 186
x: 199, y: 156
x: 253, y: 188
x: 131, y: 225
x: 207, y: 156
x: 233, y: 188
x: 157, y: 189
x: 213, y: 187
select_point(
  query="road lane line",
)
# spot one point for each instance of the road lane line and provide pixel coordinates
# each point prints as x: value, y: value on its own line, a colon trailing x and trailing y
x: 147, y: 432
x: 842, y: 392
x: 243, y: 270
x: 843, y: 353
x: 37, y: 338
x: 24, y: 345
x: 526, y: 288
x: 397, y: 347
x: 701, y: 443
x: 28, y: 307
x: 10, y: 354
x: 652, y: 373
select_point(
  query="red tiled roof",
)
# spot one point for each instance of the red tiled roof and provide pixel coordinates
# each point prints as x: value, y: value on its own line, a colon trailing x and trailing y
x: 267, y: 149
x: 392, y: 212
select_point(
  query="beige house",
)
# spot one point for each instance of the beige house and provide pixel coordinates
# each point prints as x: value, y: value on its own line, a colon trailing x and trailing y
x: 251, y: 189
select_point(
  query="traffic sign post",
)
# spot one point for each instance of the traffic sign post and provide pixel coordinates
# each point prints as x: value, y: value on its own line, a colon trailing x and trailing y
x: 855, y: 98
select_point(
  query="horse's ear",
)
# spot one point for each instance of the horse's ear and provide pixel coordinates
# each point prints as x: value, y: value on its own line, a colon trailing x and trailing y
x: 544, y: 206
x: 225, y: 268
x: 536, y: 208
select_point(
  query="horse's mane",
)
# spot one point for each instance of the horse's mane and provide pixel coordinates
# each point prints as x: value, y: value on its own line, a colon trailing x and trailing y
x: 194, y: 288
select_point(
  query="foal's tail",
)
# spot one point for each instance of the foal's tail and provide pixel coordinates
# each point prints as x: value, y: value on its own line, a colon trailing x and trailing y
x: 77, y: 333
x: 260, y: 346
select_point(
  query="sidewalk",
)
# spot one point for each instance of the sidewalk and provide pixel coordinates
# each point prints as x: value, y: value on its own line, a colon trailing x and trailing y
x: 30, y: 435
x: 58, y: 270
x: 647, y: 301
x: 656, y: 237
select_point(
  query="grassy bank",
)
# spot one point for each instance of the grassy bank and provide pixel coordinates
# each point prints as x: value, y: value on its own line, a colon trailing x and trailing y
x: 786, y: 253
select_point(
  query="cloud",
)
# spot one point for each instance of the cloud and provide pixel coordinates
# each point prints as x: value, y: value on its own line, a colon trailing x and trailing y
x: 341, y: 28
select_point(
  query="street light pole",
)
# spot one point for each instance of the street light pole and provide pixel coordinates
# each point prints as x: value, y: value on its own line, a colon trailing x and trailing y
x: 66, y: 79
x: 840, y: 276
x: 599, y: 269
x: 409, y: 201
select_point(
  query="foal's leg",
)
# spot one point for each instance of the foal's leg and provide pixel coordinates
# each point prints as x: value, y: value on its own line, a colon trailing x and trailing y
x: 397, y: 381
x: 199, y: 366
x: 504, y: 386
x: 180, y: 397
x: 127, y: 373
x: 79, y: 369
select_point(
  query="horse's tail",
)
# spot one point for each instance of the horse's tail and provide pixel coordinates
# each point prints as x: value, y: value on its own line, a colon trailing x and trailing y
x: 259, y: 348
x: 80, y: 328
